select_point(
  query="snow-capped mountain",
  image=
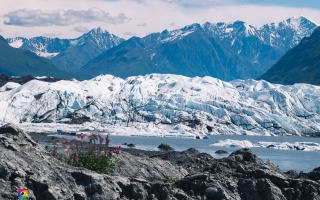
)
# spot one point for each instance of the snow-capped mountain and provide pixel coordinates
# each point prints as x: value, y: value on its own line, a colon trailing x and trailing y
x: 265, y: 45
x: 102, y: 38
x: 288, y: 33
x: 223, y: 50
x: 168, y: 105
x: 285, y: 34
x: 299, y: 65
x: 20, y: 62
x: 227, y: 51
x: 69, y: 54
x: 42, y: 46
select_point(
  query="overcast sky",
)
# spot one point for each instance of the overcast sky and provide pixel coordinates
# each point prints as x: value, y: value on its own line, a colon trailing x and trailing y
x: 127, y: 18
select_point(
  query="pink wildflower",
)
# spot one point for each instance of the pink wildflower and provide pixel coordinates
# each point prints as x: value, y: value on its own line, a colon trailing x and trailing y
x: 75, y: 159
x: 111, y: 152
x: 118, y: 149
x: 101, y: 139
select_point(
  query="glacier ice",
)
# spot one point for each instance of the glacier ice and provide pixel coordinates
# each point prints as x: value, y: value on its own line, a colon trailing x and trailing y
x: 160, y: 102
x: 302, y: 146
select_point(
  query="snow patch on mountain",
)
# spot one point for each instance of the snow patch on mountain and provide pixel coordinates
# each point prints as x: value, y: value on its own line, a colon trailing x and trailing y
x: 17, y: 43
x: 46, y: 54
x: 176, y: 34
x: 152, y: 55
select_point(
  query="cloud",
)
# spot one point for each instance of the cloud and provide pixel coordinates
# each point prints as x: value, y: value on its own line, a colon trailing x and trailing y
x: 129, y: 33
x: 81, y: 29
x: 51, y: 34
x: 33, y: 18
x: 199, y: 2
x: 143, y: 24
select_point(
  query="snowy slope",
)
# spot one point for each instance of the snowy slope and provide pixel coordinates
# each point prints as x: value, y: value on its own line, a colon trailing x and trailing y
x: 168, y: 105
x: 42, y: 46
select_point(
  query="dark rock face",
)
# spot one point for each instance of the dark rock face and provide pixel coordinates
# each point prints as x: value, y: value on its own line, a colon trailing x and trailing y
x: 23, y: 79
x: 165, y: 147
x: 221, y: 152
x: 148, y: 175
x: 243, y: 175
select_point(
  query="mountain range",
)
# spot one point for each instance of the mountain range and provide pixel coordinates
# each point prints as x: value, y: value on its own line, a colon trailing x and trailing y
x: 299, y: 65
x: 19, y: 62
x: 69, y: 54
x: 227, y: 51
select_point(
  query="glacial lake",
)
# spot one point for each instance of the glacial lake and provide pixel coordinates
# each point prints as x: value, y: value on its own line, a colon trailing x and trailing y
x: 286, y: 159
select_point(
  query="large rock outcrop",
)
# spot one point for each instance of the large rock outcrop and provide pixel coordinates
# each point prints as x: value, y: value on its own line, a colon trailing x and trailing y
x: 147, y: 175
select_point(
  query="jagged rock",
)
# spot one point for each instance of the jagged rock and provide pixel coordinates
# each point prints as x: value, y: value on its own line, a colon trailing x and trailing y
x: 29, y: 165
x: 151, y: 169
x: 165, y: 147
x: 147, y: 175
x: 131, y: 145
x: 24, y: 79
x: 221, y: 152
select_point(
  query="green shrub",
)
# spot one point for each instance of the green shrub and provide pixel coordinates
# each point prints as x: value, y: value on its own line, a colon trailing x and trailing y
x: 94, y: 155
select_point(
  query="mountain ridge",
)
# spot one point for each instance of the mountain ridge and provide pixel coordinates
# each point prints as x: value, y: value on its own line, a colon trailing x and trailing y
x: 20, y: 62
x: 299, y: 65
x: 244, y: 50
x: 69, y: 54
x: 251, y: 54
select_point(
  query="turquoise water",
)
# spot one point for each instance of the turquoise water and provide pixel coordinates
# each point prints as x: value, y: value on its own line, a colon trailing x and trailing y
x: 286, y: 159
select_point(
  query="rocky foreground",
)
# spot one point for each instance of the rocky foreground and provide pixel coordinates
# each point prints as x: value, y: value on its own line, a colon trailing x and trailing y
x: 147, y: 175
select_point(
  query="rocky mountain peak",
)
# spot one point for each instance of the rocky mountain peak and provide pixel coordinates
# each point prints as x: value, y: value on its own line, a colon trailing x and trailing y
x: 192, y: 27
x: 299, y: 20
x: 100, y: 37
x: 98, y: 31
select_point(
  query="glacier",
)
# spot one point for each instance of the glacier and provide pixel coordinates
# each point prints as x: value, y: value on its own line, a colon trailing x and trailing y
x: 164, y: 105
x: 301, y: 146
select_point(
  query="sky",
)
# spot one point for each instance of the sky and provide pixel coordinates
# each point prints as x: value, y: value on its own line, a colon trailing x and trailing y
x: 127, y: 18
